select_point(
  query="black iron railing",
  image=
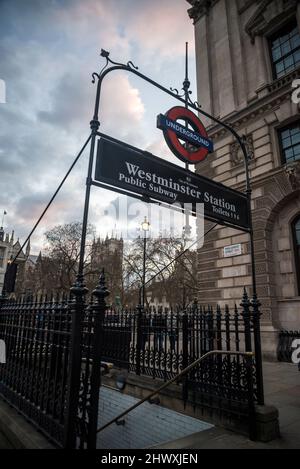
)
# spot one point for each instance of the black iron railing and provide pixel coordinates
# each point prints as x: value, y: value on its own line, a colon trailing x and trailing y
x: 51, y: 375
x: 34, y: 377
x: 160, y: 343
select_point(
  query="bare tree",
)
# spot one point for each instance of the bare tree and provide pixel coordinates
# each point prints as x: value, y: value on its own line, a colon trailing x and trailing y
x: 174, y: 273
x: 56, y: 268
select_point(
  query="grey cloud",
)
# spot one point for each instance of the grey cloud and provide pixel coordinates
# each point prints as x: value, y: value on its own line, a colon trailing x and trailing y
x: 48, y: 51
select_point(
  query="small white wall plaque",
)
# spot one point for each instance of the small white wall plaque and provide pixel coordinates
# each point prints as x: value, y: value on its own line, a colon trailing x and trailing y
x: 233, y: 250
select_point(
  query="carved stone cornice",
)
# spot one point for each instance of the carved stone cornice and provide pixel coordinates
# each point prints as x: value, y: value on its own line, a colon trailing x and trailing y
x: 200, y: 8
x: 241, y: 118
x: 269, y: 14
x: 285, y: 80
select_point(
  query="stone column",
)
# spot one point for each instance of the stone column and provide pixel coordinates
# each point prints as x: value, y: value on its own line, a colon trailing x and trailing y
x: 261, y: 65
x: 203, y: 64
x: 224, y: 69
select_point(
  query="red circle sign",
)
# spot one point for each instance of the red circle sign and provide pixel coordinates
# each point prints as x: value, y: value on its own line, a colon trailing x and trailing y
x: 184, y: 153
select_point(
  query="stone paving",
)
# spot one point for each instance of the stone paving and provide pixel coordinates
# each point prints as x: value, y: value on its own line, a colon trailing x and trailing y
x: 282, y: 389
x: 4, y: 443
x: 146, y: 426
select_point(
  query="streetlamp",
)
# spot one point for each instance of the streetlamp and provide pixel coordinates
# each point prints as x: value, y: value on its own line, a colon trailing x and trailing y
x: 145, y: 228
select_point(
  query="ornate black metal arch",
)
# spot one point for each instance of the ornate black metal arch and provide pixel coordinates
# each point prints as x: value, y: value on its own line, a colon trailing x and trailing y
x: 186, y: 100
x: 79, y: 287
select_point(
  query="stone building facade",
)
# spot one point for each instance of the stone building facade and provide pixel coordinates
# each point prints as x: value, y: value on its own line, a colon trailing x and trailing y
x: 108, y: 254
x: 8, y: 250
x: 248, y: 58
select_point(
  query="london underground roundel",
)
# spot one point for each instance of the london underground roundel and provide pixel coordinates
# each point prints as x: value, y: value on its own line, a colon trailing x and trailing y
x: 196, y: 145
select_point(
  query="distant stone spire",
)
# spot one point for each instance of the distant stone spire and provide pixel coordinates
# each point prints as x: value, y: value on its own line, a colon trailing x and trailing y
x: 12, y: 237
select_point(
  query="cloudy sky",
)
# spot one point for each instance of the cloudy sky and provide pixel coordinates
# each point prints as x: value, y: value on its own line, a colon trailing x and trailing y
x: 48, y: 51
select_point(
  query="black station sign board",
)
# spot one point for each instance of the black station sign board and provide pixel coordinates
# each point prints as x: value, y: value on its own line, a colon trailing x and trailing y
x: 192, y: 132
x: 144, y: 174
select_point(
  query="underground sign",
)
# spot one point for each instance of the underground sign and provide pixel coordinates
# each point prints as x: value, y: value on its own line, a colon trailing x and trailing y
x: 197, y: 144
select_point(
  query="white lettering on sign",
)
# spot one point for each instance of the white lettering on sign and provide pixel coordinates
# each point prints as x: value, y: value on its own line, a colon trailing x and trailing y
x: 155, y: 183
x: 188, y: 133
x: 233, y: 250
x: 170, y: 188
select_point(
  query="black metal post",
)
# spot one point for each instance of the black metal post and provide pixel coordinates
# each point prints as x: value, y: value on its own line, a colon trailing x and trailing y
x: 79, y: 290
x: 185, y: 354
x: 144, y: 271
x: 139, y: 332
x: 245, y: 304
x: 94, y: 127
x: 185, y: 340
x: 251, y: 404
x: 100, y: 293
x: 77, y: 307
x: 246, y: 314
x: 257, y: 348
x: 255, y: 302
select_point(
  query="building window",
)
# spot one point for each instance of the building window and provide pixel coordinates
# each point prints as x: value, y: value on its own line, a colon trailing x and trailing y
x: 296, y: 233
x: 290, y: 143
x: 285, y: 50
x: 2, y: 255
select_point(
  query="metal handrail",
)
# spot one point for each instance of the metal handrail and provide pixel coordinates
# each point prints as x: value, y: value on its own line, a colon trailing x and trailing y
x: 176, y: 378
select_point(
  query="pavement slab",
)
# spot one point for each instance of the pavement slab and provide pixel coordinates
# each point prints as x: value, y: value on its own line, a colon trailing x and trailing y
x: 282, y: 390
x: 4, y: 443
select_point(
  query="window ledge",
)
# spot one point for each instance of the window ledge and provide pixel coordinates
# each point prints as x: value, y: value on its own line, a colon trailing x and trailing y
x: 286, y: 79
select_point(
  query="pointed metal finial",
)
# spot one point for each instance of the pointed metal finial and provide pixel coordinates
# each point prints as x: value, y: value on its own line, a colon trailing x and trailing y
x: 186, y: 83
x: 101, y: 291
x: 186, y: 60
x: 104, y: 53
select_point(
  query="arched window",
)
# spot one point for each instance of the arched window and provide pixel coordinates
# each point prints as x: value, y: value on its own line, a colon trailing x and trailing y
x: 296, y: 234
